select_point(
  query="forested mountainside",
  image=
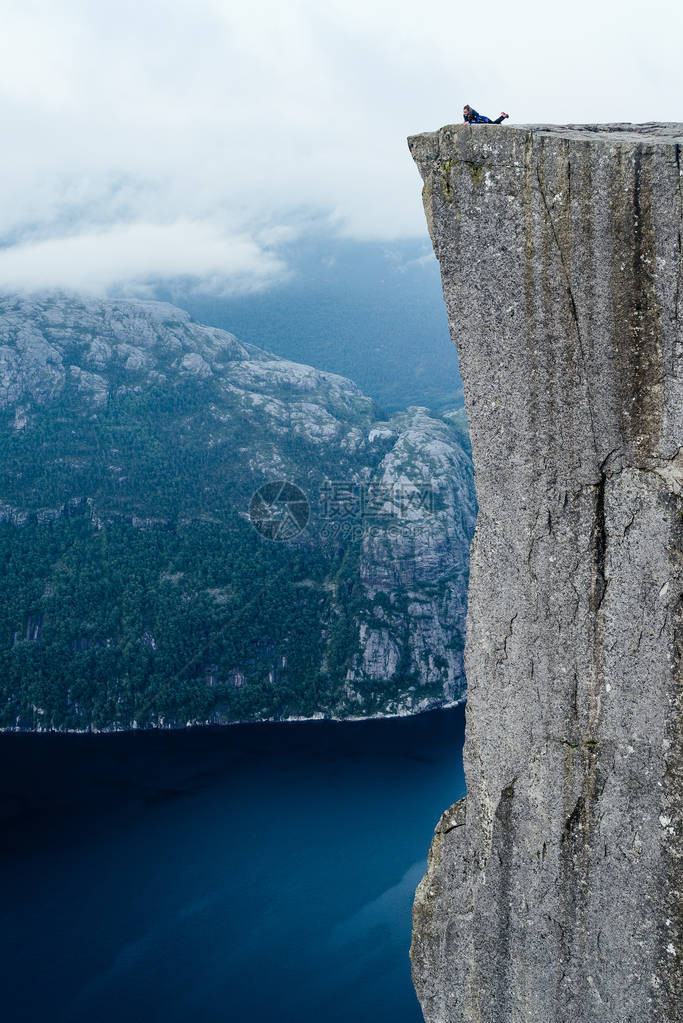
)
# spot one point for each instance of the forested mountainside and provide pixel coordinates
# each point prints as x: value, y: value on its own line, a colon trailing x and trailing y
x: 144, y: 583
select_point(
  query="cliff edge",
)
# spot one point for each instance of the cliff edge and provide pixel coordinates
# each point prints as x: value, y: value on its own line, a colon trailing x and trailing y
x: 551, y: 891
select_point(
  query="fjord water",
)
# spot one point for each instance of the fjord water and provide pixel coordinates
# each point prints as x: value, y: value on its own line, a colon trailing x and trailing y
x: 260, y: 872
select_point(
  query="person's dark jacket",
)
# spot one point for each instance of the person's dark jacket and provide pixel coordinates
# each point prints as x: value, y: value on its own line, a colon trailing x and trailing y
x: 476, y: 118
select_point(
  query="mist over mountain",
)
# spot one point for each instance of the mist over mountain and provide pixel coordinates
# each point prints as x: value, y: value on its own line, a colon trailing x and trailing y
x: 370, y: 311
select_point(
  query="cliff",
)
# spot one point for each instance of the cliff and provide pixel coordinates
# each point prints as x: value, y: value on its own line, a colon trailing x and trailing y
x: 551, y: 891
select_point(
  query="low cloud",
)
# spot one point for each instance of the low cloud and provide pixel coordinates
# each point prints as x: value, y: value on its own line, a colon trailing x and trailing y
x: 128, y: 256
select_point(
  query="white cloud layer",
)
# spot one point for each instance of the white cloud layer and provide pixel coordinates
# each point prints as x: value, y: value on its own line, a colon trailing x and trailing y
x: 166, y: 138
x: 131, y: 255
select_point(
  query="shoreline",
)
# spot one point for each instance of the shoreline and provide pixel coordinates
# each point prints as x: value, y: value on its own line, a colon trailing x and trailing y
x: 197, y: 725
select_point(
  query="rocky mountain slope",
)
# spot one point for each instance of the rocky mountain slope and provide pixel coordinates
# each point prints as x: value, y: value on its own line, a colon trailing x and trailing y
x: 553, y: 891
x: 142, y: 581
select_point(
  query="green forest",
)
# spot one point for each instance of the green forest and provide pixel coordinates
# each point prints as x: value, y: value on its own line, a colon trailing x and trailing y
x: 121, y: 625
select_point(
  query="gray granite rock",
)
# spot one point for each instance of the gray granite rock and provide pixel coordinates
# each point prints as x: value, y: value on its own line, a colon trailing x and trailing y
x: 552, y: 892
x: 414, y: 564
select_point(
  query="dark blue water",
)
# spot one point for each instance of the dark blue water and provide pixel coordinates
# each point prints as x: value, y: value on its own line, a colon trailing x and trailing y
x: 258, y: 872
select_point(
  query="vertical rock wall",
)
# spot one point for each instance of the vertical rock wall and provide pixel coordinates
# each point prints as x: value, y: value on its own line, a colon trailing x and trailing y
x: 551, y: 892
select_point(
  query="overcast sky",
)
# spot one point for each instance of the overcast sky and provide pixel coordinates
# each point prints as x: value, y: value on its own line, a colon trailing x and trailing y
x: 160, y: 138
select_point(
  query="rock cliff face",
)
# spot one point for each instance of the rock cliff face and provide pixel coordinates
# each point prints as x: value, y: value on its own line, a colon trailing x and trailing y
x: 551, y: 893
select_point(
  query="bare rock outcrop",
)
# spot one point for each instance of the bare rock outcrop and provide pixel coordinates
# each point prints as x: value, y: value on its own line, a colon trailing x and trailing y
x: 553, y: 892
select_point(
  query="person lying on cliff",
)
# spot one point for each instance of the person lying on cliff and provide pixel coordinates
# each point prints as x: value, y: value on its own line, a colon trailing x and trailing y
x: 472, y: 117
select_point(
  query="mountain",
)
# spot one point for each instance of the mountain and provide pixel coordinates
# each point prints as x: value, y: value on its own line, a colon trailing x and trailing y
x: 193, y: 529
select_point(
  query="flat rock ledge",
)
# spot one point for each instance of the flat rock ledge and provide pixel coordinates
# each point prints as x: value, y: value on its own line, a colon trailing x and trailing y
x: 553, y: 891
